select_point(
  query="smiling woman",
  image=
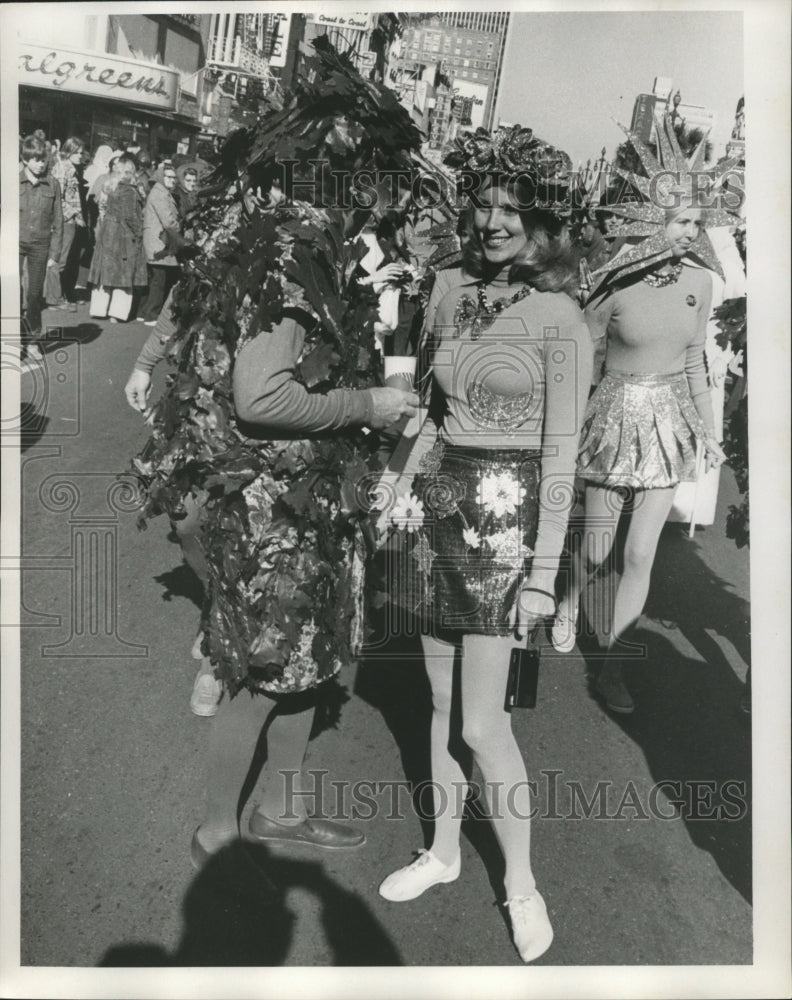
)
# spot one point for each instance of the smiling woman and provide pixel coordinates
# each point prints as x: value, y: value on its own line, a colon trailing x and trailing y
x: 485, y: 516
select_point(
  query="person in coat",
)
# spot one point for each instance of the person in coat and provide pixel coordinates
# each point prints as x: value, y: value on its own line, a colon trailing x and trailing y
x: 160, y: 216
x: 119, y: 263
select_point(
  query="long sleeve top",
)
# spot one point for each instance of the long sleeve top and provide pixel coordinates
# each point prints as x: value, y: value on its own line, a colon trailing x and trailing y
x: 640, y: 329
x: 40, y: 212
x: 537, y: 353
x: 267, y: 393
x: 155, y: 348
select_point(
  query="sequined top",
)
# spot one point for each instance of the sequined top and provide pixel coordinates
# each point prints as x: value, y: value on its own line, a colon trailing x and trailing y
x: 644, y: 330
x: 521, y: 382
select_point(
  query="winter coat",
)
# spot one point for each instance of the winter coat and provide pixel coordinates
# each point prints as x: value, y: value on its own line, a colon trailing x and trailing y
x: 119, y: 260
x: 160, y: 214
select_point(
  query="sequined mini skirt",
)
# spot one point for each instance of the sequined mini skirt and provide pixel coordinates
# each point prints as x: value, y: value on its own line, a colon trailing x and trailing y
x: 462, y: 565
x: 640, y: 431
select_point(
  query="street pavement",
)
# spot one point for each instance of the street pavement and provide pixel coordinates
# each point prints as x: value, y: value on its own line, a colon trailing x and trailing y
x: 112, y: 758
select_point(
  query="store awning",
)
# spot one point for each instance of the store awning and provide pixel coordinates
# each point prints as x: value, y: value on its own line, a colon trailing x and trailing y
x: 97, y: 74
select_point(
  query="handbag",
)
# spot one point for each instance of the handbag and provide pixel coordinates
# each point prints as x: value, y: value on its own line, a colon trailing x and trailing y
x: 523, y: 677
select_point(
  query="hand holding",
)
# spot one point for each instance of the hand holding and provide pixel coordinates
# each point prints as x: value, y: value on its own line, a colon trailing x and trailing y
x: 531, y: 606
x: 390, y: 405
x: 390, y: 272
x: 714, y: 455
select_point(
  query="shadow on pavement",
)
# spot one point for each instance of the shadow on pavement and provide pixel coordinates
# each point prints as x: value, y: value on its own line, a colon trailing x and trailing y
x: 235, y: 914
x: 83, y: 332
x: 181, y: 581
x: 687, y: 719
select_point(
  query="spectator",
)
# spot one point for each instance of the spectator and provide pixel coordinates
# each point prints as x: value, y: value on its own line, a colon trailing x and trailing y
x: 100, y: 190
x: 145, y: 172
x: 160, y: 216
x: 119, y: 263
x: 184, y: 194
x: 64, y: 170
x: 40, y: 235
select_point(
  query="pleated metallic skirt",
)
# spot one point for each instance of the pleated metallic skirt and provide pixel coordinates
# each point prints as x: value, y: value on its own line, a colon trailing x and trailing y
x: 640, y: 432
x: 475, y: 542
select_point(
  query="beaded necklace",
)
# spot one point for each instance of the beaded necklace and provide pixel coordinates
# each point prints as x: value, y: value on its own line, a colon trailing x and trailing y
x: 479, y: 316
x: 661, y: 280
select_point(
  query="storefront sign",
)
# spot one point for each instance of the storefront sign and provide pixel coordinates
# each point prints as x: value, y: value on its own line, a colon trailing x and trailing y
x: 477, y: 94
x: 360, y: 22
x: 280, y: 42
x: 98, y: 75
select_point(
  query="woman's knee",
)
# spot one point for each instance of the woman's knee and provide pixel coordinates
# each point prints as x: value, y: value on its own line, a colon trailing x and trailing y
x: 486, y: 736
x: 442, y: 692
x: 639, y: 555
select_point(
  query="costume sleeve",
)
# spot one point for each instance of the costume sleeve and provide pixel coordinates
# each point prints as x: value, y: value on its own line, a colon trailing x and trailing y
x: 266, y: 392
x: 154, y: 350
x: 568, y: 366
x: 56, y: 233
x: 598, y: 314
x: 696, y: 362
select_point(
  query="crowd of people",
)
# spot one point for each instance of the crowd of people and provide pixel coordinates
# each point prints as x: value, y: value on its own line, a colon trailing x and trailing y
x: 112, y: 224
x: 541, y: 361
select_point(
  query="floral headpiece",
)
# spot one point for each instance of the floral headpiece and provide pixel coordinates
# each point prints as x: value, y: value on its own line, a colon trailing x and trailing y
x: 516, y: 152
x: 670, y: 179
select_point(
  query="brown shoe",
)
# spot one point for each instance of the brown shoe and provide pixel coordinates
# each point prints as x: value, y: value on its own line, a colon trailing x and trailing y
x: 317, y: 832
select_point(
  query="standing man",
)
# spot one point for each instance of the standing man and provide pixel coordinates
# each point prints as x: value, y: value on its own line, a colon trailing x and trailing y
x: 159, y: 216
x: 40, y: 236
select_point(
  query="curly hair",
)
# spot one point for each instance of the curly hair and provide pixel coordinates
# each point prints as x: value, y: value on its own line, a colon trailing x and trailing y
x: 547, y: 262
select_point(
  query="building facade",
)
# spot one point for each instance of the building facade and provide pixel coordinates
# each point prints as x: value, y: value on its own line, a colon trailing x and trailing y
x: 650, y: 108
x: 121, y: 80
x: 463, y: 52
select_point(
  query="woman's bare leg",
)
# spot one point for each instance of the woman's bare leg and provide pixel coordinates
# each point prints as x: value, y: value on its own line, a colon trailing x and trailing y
x: 448, y: 778
x: 487, y: 730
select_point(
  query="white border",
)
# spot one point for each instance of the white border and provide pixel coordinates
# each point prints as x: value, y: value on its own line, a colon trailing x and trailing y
x: 767, y: 71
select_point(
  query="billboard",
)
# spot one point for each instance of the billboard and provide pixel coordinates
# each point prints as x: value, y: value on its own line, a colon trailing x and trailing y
x: 359, y: 22
x: 477, y: 94
x: 280, y: 40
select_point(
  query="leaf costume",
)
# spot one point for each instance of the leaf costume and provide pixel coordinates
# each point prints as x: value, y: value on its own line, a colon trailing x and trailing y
x: 282, y: 534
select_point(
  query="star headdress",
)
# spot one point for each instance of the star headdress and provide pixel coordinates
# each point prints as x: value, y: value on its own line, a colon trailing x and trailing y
x: 515, y: 152
x: 671, y: 179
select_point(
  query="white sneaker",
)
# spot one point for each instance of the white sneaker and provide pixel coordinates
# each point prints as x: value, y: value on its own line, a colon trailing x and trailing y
x: 195, y: 652
x: 562, y: 634
x: 412, y: 880
x: 206, y: 695
x: 531, y: 927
